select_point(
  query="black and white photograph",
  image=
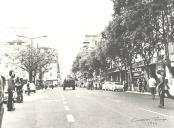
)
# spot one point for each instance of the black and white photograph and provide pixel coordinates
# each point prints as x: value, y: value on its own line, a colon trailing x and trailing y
x: 86, y: 63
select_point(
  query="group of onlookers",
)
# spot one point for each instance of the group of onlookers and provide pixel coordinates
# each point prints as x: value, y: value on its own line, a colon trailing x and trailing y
x: 14, y: 88
x: 14, y: 85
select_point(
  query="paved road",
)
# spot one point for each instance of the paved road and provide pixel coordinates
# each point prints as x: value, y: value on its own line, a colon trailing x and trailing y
x: 83, y: 108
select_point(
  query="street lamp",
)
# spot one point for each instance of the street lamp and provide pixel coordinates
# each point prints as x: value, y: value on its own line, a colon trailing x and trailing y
x: 31, y: 38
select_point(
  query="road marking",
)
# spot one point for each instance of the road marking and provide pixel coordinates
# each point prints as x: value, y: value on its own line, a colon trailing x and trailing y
x: 66, y: 108
x: 165, y: 115
x: 70, y: 118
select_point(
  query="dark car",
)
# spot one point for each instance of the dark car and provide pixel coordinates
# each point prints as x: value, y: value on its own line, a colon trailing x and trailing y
x: 69, y: 83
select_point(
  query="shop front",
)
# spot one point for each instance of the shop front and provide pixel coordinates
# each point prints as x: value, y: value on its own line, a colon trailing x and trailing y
x: 137, y: 74
x: 118, y: 74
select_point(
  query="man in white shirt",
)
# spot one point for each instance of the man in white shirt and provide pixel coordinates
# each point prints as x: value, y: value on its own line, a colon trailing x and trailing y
x: 152, y: 86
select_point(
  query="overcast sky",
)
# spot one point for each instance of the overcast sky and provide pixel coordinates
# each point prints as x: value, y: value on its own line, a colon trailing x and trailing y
x: 65, y: 22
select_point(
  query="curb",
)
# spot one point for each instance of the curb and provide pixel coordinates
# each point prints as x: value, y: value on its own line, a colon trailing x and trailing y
x: 142, y: 93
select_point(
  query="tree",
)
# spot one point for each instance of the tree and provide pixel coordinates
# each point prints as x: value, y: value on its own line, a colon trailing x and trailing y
x: 75, y: 66
x: 119, y: 41
x: 32, y: 59
x: 163, y: 10
x: 49, y: 56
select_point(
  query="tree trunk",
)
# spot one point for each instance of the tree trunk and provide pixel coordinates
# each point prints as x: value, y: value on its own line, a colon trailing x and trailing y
x: 34, y: 77
x: 41, y: 73
x: 30, y: 76
x: 130, y: 78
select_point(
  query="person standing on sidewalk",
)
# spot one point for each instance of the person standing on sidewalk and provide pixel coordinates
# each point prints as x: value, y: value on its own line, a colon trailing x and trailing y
x: 28, y: 88
x: 18, y: 84
x: 11, y: 89
x: 152, y: 86
x: 160, y: 88
x: 140, y: 85
x: 21, y: 89
x: 163, y: 88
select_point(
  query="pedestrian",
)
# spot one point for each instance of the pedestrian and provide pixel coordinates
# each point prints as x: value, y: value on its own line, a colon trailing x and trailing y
x: 11, y: 89
x: 152, y: 86
x: 160, y: 88
x: 28, y: 88
x: 144, y: 87
x: 163, y: 88
x: 21, y: 89
x: 17, y: 86
x: 125, y: 84
x: 140, y: 85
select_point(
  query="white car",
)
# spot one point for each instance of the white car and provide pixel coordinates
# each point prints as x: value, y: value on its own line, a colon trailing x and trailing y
x: 119, y: 86
x: 112, y: 86
x: 106, y: 85
x: 32, y: 88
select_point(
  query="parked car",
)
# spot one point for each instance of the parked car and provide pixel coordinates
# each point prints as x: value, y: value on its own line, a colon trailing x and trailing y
x: 119, y: 86
x: 32, y: 87
x: 112, y: 86
x: 106, y: 85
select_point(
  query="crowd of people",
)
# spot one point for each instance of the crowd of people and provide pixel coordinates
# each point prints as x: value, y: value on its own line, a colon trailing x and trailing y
x: 14, y: 86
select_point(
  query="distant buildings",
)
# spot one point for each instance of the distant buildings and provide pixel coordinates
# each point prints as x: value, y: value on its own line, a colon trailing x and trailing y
x: 7, y: 58
x: 90, y: 42
x: 8, y: 62
x: 54, y: 71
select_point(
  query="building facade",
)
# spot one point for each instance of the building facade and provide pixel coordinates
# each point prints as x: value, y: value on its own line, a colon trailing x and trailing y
x: 8, y: 62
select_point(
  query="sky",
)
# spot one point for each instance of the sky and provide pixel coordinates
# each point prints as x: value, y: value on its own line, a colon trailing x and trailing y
x: 65, y: 22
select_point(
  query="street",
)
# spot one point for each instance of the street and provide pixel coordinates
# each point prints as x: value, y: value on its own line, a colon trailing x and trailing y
x: 82, y: 108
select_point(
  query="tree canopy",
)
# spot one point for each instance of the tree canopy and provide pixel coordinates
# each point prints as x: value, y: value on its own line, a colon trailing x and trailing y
x: 138, y: 28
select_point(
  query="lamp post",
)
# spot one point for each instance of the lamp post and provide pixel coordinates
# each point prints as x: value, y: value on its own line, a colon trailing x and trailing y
x: 31, y: 38
x: 30, y: 70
